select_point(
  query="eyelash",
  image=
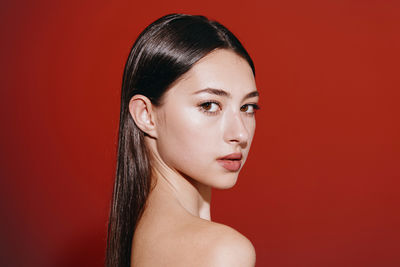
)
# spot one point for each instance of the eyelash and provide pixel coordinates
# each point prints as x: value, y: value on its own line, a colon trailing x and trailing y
x: 203, y: 104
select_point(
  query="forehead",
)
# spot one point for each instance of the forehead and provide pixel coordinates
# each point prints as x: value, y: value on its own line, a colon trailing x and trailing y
x: 221, y: 69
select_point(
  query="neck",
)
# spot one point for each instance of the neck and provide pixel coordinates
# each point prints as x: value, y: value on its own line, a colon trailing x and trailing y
x: 203, y: 199
x: 191, y: 195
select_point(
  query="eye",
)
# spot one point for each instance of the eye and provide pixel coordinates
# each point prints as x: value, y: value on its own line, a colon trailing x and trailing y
x: 210, y: 107
x: 249, y: 108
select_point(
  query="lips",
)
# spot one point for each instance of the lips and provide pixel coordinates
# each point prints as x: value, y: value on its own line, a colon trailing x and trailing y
x: 231, y: 162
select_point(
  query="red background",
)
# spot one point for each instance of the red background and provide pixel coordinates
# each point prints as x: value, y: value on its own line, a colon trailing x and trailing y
x: 321, y: 185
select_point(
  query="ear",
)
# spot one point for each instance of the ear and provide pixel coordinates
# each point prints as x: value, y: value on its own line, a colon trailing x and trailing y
x: 141, y: 110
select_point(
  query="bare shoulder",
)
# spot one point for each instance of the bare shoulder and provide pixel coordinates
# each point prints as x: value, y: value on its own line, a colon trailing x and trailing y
x: 191, y: 241
x: 228, y: 247
x: 214, y: 244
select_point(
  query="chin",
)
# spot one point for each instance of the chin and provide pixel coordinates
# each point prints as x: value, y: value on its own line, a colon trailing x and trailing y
x: 225, y: 183
x: 219, y: 181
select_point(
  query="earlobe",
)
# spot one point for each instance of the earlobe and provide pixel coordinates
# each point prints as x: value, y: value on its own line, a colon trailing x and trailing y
x: 141, y: 110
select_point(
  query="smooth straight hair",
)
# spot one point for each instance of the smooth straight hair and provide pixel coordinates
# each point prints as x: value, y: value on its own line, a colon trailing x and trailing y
x: 162, y: 53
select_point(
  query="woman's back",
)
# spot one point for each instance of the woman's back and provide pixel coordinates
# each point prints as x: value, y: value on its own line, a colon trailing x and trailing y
x: 168, y: 235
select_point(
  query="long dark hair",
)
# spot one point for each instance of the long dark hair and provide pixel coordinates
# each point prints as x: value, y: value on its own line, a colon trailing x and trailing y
x: 162, y: 53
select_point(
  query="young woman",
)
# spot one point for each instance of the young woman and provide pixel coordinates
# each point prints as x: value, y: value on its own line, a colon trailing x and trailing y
x: 186, y: 124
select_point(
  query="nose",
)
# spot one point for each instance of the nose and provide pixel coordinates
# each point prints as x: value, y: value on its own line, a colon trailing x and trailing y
x: 236, y: 131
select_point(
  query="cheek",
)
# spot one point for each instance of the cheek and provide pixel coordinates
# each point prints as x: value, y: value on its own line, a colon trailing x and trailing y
x: 187, y: 138
x: 252, y: 129
x: 250, y: 125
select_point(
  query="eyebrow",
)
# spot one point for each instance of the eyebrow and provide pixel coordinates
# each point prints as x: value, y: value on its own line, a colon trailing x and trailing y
x: 221, y: 92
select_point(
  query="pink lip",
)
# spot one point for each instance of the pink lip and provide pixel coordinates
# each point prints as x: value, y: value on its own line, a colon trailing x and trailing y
x: 231, y: 162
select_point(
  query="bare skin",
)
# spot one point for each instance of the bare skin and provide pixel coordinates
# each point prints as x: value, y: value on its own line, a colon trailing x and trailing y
x: 185, y: 140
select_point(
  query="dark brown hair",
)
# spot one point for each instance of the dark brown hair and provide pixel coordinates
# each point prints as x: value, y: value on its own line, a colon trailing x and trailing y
x: 162, y: 53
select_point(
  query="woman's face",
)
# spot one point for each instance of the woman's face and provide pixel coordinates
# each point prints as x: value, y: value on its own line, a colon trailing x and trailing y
x: 208, y: 115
